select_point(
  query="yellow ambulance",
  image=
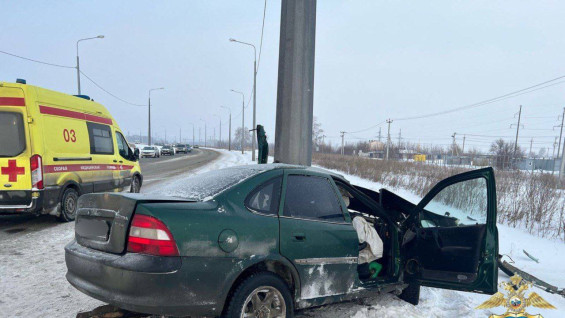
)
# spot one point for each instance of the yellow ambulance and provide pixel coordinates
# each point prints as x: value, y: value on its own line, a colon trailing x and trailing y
x: 55, y: 147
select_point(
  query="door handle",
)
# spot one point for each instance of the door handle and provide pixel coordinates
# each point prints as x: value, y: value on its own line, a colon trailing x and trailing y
x: 115, y: 160
x: 299, y: 237
x: 121, y: 161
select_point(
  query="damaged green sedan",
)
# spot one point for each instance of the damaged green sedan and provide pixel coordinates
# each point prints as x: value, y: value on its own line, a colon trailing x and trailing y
x: 265, y: 240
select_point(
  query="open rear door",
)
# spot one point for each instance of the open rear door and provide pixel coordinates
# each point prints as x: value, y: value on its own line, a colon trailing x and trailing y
x: 453, y: 240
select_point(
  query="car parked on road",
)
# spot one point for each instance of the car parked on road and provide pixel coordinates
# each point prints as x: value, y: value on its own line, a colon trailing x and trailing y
x: 264, y: 240
x: 150, y: 151
x: 55, y: 147
x: 181, y: 148
x: 168, y: 150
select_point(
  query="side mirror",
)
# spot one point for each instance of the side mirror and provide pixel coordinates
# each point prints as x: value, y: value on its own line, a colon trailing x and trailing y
x: 136, y: 154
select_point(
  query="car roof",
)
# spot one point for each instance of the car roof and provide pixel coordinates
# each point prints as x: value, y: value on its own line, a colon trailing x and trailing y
x: 275, y: 166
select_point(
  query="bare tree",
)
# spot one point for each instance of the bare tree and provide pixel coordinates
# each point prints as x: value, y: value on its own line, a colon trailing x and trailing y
x: 236, y: 143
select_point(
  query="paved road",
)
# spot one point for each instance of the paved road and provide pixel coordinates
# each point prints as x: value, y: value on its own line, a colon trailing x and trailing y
x: 154, y: 171
x: 159, y: 169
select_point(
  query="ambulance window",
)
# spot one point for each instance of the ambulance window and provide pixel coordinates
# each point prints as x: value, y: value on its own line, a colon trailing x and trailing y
x: 122, y: 145
x: 12, y: 142
x: 100, y: 139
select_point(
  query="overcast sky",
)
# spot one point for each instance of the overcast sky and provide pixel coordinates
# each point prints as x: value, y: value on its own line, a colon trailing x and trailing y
x: 374, y: 60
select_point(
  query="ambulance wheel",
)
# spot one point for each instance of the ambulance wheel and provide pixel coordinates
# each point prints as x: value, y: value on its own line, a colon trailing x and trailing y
x: 69, y: 205
x: 135, y: 185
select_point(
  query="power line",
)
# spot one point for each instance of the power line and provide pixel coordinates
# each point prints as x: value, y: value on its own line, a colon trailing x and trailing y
x: 258, y: 62
x: 107, y: 92
x: 65, y: 66
x: 36, y: 61
x: 262, y: 29
x: 491, y: 100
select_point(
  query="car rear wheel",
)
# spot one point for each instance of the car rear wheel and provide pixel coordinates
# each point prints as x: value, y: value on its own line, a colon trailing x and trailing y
x: 69, y: 205
x: 263, y: 295
x: 135, y: 185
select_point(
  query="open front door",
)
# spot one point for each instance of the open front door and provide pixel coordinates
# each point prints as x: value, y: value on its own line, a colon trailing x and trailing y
x: 453, y: 241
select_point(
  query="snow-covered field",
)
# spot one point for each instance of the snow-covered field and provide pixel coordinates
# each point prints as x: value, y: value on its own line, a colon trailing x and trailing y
x: 33, y: 284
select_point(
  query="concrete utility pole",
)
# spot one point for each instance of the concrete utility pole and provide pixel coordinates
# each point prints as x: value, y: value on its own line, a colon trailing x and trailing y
x: 254, y: 138
x: 562, y: 169
x: 463, y: 148
x: 388, y: 121
x: 165, y: 136
x: 149, y: 116
x: 242, y: 120
x: 517, y: 131
x: 342, y: 142
x: 229, y: 133
x: 399, y: 138
x: 78, y: 63
x: 531, y: 144
x: 180, y: 135
x: 561, y: 132
x: 295, y: 88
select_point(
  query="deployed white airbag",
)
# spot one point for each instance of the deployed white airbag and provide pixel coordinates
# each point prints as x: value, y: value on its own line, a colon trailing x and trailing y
x: 367, y: 233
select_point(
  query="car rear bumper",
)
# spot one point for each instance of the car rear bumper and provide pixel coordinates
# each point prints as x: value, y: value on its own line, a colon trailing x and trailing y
x: 21, y: 201
x: 143, y: 283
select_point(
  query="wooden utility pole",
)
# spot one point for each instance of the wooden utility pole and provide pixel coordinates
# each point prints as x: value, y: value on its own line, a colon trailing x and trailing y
x: 295, y: 88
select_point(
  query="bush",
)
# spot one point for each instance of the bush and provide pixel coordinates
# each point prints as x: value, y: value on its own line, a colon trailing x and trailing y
x: 532, y: 201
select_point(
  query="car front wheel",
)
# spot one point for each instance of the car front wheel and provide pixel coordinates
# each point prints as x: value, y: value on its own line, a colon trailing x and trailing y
x: 261, y: 295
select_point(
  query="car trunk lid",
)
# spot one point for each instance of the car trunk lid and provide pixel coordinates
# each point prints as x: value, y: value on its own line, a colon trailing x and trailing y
x: 103, y: 219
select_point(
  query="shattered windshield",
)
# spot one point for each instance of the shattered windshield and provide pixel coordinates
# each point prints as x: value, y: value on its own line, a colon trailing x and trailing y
x: 204, y: 186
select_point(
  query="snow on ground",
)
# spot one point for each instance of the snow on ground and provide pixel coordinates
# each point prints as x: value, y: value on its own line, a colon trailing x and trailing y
x: 33, y: 284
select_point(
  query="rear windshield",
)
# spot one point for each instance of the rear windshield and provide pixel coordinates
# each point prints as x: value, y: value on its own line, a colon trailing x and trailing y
x: 147, y: 148
x: 205, y: 186
x: 12, y: 140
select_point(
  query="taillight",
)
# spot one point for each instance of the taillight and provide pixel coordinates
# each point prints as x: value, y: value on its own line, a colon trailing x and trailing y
x: 36, y: 165
x: 148, y: 235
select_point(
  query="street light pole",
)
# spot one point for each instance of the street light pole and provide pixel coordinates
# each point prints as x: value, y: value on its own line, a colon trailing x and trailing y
x: 242, y: 119
x: 204, y: 131
x: 192, y: 133
x: 149, y: 116
x: 229, y: 133
x: 253, y: 141
x: 78, y: 64
x: 220, y: 118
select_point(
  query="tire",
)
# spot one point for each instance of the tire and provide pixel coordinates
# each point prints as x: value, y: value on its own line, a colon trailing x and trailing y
x: 264, y: 284
x: 69, y: 202
x: 135, y: 185
x: 411, y: 294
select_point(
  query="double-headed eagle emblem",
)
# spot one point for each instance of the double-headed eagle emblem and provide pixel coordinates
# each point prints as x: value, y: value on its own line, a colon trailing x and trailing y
x: 516, y: 302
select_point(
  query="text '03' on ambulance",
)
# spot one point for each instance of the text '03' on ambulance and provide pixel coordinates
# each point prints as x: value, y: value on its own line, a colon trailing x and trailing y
x: 55, y: 147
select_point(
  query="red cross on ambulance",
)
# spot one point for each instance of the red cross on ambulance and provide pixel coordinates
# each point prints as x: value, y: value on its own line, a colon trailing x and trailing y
x: 12, y: 170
